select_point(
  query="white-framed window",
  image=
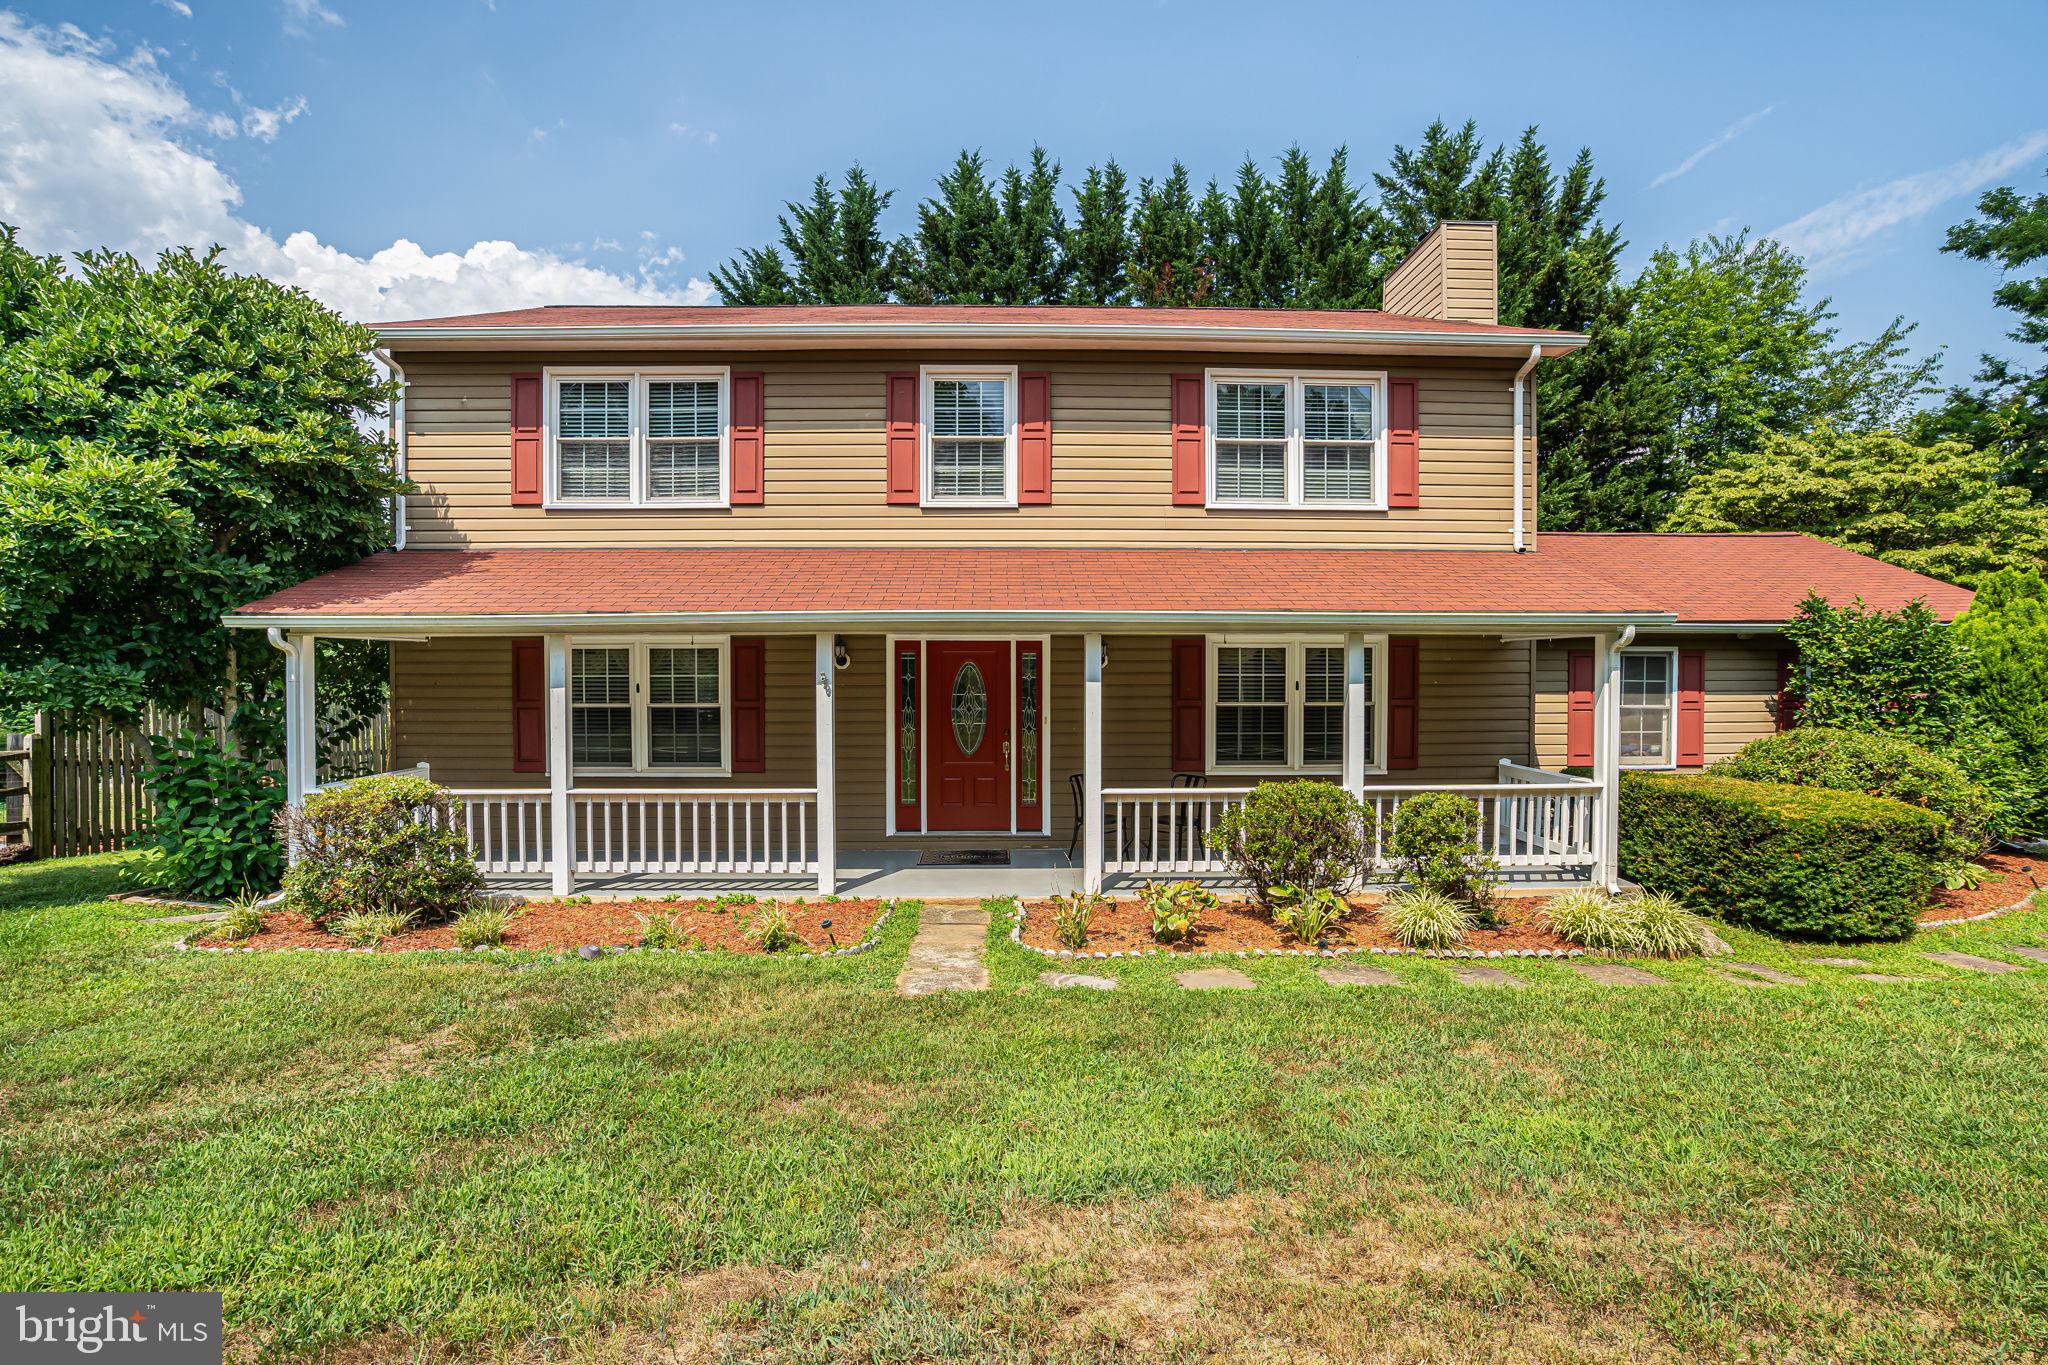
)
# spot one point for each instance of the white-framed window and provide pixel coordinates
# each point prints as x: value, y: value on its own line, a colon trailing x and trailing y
x: 1314, y: 440
x: 637, y: 438
x: 1649, y: 708
x: 644, y: 706
x: 970, y: 437
x: 1276, y: 704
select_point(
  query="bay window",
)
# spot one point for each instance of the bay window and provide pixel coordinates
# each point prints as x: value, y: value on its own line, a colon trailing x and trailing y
x: 970, y: 440
x: 1277, y: 706
x: 1297, y: 440
x: 649, y: 707
x: 637, y: 438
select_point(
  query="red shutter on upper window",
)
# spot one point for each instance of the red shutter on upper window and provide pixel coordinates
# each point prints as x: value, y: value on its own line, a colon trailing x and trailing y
x: 1404, y: 703
x: 1034, y: 439
x: 1578, y: 711
x: 529, y: 706
x: 1190, y: 696
x: 745, y: 438
x: 1190, y: 458
x: 1788, y: 705
x: 1692, y: 708
x: 901, y: 437
x: 526, y: 437
x: 1404, y: 446
x: 749, y: 706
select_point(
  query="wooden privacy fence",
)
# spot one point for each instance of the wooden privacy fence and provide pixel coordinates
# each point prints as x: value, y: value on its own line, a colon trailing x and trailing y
x: 76, y: 786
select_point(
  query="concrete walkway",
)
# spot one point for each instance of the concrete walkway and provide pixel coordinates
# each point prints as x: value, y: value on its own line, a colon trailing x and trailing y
x: 947, y: 954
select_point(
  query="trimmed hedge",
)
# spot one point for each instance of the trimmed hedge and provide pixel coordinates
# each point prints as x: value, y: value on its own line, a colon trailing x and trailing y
x: 1803, y: 862
x: 1878, y: 765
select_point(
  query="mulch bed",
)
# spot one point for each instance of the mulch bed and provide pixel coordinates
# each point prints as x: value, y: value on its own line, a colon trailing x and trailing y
x: 1240, y: 926
x: 2022, y: 877
x: 564, y: 926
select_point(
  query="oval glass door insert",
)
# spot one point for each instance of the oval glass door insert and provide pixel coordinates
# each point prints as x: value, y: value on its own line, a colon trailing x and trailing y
x: 970, y: 708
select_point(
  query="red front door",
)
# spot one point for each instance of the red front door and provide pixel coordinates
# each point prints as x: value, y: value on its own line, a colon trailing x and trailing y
x: 968, y: 748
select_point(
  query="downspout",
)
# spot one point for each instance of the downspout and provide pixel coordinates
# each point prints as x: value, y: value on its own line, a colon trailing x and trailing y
x: 1521, y: 375
x: 397, y: 428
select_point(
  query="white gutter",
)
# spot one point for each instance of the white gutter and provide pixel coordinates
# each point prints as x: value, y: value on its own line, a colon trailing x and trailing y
x: 398, y: 459
x: 958, y: 331
x: 1521, y: 375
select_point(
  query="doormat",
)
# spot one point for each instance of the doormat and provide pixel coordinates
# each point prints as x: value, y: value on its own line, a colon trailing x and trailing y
x: 964, y: 857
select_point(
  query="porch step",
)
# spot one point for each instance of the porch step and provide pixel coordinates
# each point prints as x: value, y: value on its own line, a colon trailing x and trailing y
x: 947, y: 953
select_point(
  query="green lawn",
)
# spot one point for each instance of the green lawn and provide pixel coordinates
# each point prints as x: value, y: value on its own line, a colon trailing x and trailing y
x: 683, y: 1158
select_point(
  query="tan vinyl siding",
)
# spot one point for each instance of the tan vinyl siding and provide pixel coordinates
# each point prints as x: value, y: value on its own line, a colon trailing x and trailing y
x: 1453, y: 273
x: 1742, y: 690
x: 1416, y: 288
x: 825, y: 476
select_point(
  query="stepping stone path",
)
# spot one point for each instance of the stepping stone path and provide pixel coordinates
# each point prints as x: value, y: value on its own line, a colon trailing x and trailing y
x: 1216, y: 979
x: 1487, y: 976
x: 1358, y: 976
x: 1880, y: 979
x: 1615, y: 974
x: 1970, y: 962
x: 947, y: 953
x: 2031, y: 954
x: 206, y: 918
x: 1064, y: 980
x: 1840, y: 962
x: 1770, y: 974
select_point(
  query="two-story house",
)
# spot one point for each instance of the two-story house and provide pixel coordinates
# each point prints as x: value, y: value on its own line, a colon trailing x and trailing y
x: 692, y: 595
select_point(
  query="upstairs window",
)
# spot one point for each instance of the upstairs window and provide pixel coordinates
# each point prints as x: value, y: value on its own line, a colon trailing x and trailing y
x: 971, y: 438
x: 653, y: 438
x: 1297, y: 440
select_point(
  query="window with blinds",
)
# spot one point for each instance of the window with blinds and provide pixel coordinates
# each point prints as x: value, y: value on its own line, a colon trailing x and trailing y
x: 1277, y: 706
x: 683, y: 717
x: 1649, y: 684
x: 1339, y: 445
x: 1251, y: 442
x: 648, y: 707
x: 970, y: 450
x: 684, y: 421
x: 594, y: 438
x: 1296, y: 440
x: 621, y: 440
x: 1251, y: 705
x: 601, y: 707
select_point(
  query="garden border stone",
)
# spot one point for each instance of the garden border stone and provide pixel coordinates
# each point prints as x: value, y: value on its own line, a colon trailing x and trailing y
x: 1017, y: 937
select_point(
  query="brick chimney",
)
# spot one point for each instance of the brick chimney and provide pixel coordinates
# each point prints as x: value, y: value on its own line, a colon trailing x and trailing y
x: 1453, y: 274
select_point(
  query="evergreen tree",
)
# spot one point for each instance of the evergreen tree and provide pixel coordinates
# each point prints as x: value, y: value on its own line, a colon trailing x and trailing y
x: 836, y: 243
x: 1098, y: 244
x: 960, y: 246
x: 1034, y: 267
x: 1169, y: 268
x: 1255, y: 260
x: 1340, y: 256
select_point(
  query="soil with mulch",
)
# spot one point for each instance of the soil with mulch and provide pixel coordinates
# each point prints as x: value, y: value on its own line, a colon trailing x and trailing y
x: 2017, y: 877
x: 564, y: 926
x: 1237, y: 925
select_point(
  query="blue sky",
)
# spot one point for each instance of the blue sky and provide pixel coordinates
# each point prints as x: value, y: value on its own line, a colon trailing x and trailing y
x: 609, y: 151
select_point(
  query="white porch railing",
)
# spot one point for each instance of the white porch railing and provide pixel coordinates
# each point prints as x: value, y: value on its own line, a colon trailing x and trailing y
x: 761, y: 832
x: 1532, y: 819
x: 507, y: 828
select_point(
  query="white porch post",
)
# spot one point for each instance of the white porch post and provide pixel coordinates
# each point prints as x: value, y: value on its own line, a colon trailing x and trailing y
x: 828, y: 831
x: 1354, y: 714
x: 561, y: 818
x: 1091, y: 764
x: 302, y: 734
x: 1607, y: 759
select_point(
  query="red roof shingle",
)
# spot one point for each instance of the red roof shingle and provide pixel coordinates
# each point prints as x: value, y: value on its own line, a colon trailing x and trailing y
x: 1705, y: 579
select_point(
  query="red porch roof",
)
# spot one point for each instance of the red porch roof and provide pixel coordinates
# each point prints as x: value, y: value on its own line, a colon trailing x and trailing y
x: 1704, y: 579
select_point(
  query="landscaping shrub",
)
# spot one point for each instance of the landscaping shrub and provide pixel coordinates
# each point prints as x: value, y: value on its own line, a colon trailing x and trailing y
x: 769, y: 927
x: 380, y: 844
x: 368, y: 928
x: 212, y: 834
x: 244, y: 919
x: 1302, y: 834
x: 659, y: 931
x: 1420, y: 918
x: 1070, y: 916
x: 1805, y: 862
x: 481, y: 926
x: 1594, y: 919
x: 1880, y: 765
x: 1176, y: 908
x: 1665, y: 928
x: 1308, y: 914
x: 1435, y: 840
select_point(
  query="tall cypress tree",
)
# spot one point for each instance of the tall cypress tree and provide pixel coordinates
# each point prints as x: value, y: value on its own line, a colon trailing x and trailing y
x: 1034, y: 267
x: 1169, y: 268
x: 959, y: 241
x: 836, y: 244
x: 1098, y: 244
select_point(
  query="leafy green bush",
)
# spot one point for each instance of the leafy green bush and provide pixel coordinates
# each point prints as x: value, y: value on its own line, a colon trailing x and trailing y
x: 368, y: 928
x: 2006, y: 630
x: 380, y: 844
x: 1805, y: 862
x: 482, y: 926
x: 1308, y: 913
x: 1880, y: 765
x: 1436, y: 841
x: 1070, y: 916
x: 658, y: 930
x: 1176, y: 908
x: 212, y: 834
x: 1418, y: 917
x: 1303, y: 834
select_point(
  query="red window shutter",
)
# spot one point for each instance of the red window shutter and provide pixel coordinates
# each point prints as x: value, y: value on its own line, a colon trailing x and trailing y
x: 745, y: 439
x: 529, y: 706
x: 900, y: 425
x: 749, y: 706
x: 1788, y: 705
x: 1692, y: 708
x: 1190, y: 698
x: 526, y: 437
x: 1578, y: 713
x: 1190, y: 458
x: 1404, y: 703
x: 1034, y: 439
x: 1404, y: 445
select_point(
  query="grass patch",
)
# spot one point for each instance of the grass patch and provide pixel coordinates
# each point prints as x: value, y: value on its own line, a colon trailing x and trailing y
x: 756, y: 1158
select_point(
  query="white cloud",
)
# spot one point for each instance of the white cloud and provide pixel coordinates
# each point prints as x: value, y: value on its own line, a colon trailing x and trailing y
x: 1833, y: 234
x: 301, y: 15
x: 177, y: 7
x: 97, y: 149
x: 1714, y: 144
x: 265, y: 124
